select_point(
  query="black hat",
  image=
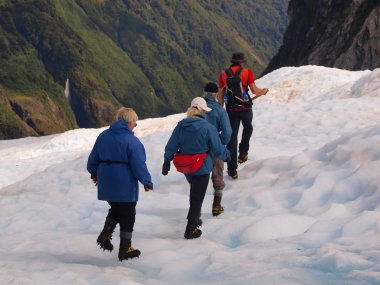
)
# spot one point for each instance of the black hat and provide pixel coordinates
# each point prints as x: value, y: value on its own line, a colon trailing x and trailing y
x: 211, y: 87
x: 238, y: 57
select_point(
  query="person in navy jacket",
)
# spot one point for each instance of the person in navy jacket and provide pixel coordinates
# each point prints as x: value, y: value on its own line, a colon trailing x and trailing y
x: 195, y: 135
x: 218, y: 117
x: 116, y: 163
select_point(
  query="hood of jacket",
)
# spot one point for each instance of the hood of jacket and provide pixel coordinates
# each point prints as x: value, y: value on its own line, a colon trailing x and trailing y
x: 213, y: 104
x: 192, y: 124
x: 210, y: 99
x: 120, y: 127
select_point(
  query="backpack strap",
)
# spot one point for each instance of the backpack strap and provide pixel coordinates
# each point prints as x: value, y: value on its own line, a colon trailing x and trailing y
x: 229, y: 72
x: 239, y: 71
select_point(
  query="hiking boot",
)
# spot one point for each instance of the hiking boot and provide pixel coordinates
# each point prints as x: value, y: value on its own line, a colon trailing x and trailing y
x: 217, y: 208
x: 243, y: 157
x: 126, y: 251
x: 232, y: 173
x: 105, y: 237
x: 192, y: 231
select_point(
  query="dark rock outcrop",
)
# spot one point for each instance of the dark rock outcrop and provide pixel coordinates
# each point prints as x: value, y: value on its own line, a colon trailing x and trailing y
x: 335, y: 33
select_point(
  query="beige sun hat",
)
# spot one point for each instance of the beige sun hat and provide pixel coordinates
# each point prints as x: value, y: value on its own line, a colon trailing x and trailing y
x: 200, y: 104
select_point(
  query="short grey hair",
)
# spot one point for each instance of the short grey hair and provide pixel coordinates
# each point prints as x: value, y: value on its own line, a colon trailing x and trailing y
x: 206, y: 94
x: 127, y: 114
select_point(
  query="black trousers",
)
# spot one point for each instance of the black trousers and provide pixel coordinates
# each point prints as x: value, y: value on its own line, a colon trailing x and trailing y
x: 124, y: 213
x: 245, y: 117
x: 198, y: 187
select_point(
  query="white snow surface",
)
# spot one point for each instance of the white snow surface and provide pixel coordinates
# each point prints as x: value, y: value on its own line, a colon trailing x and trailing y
x: 305, y: 209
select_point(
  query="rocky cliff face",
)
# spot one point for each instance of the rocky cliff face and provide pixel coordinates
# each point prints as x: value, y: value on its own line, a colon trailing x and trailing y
x: 334, y: 33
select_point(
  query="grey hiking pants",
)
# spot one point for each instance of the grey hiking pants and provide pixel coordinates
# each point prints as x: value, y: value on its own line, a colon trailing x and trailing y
x: 217, y: 176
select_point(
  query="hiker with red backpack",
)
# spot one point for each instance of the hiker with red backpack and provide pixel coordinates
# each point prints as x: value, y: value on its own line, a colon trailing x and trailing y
x: 190, y: 147
x: 234, y: 84
x: 217, y: 117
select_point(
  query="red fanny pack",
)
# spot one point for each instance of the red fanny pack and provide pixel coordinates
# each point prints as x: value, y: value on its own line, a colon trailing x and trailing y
x: 188, y: 163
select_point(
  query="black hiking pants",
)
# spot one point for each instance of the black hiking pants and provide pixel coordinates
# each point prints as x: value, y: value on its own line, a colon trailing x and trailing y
x: 124, y: 213
x: 198, y: 187
x: 245, y: 117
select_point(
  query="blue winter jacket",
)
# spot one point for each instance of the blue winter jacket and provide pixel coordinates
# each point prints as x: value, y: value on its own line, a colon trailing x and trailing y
x: 218, y: 117
x: 196, y: 135
x: 118, y: 161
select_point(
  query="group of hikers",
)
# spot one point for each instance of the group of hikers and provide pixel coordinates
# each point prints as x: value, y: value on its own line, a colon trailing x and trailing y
x: 199, y: 145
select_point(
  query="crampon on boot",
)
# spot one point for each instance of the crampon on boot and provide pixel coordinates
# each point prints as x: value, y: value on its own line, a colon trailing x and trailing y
x: 126, y: 251
x: 105, y: 237
x: 217, y: 208
x: 233, y: 174
x: 192, y: 231
x: 243, y: 157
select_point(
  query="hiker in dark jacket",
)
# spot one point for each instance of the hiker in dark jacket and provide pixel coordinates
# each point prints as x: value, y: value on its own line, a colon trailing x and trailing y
x: 116, y: 164
x: 218, y: 117
x: 241, y: 112
x: 194, y: 135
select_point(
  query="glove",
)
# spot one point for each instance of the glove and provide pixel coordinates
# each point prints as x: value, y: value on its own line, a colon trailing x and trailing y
x: 94, y: 179
x: 148, y: 187
x: 165, y: 168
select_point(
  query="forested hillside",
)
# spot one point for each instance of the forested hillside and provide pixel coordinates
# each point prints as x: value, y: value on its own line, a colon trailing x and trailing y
x: 153, y: 56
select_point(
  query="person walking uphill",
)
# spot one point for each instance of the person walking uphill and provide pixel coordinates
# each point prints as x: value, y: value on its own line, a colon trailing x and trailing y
x: 116, y: 164
x: 234, y: 84
x: 219, y: 119
x: 194, y: 137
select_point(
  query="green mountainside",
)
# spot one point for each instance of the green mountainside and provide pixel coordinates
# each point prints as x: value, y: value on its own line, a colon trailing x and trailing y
x: 153, y: 56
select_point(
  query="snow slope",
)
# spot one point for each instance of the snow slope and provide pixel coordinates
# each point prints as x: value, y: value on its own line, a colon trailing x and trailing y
x: 305, y: 209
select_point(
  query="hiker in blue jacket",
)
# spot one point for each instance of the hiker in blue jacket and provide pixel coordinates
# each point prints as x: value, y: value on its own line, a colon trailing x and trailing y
x: 116, y: 164
x: 195, y: 135
x: 218, y: 117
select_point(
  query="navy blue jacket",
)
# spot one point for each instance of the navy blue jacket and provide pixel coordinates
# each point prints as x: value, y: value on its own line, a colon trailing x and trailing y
x: 118, y: 161
x: 196, y: 135
x: 218, y: 117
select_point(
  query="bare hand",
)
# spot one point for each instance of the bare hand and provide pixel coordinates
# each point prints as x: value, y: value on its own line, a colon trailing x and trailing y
x: 95, y: 180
